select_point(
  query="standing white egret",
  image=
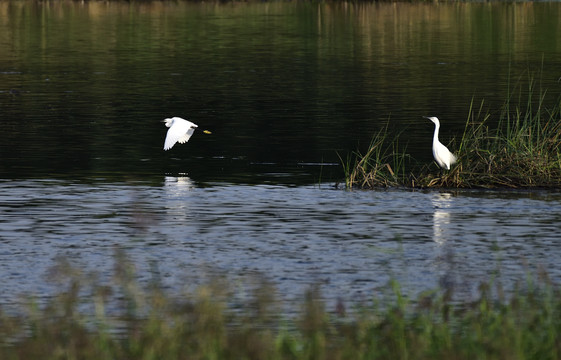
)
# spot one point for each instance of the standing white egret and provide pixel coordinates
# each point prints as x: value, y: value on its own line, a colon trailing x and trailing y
x: 180, y: 130
x: 443, y: 157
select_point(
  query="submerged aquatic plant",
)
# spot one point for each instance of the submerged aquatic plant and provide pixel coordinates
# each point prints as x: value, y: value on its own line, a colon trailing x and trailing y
x: 518, y: 148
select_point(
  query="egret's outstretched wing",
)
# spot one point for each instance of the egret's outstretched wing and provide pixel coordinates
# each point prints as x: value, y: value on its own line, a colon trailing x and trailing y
x: 187, y: 136
x: 176, y: 132
x: 180, y: 130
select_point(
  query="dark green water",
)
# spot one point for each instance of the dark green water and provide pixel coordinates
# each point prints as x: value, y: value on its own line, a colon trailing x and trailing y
x: 282, y: 86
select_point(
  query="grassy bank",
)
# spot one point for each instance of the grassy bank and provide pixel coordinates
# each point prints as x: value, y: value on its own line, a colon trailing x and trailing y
x: 517, y: 146
x: 122, y: 320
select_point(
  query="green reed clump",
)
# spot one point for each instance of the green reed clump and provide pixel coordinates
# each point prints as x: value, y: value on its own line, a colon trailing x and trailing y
x: 383, y: 164
x: 522, y: 151
x: 123, y: 320
x: 518, y: 147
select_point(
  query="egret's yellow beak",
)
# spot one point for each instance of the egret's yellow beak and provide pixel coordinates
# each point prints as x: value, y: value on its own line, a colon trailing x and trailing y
x: 207, y: 132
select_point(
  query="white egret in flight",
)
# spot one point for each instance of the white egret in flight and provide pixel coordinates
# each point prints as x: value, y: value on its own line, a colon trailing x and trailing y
x: 443, y: 157
x: 180, y: 130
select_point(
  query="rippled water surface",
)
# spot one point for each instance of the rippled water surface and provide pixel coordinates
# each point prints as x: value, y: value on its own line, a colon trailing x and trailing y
x: 287, y: 89
x: 351, y: 243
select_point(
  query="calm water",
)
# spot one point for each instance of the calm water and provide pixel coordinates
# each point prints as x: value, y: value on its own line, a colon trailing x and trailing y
x: 284, y: 88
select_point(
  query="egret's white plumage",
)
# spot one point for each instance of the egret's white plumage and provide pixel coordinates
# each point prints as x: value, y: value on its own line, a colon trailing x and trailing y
x: 443, y: 157
x: 180, y: 130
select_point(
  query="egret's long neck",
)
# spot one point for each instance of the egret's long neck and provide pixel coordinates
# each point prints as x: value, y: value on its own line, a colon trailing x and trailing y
x: 435, y: 137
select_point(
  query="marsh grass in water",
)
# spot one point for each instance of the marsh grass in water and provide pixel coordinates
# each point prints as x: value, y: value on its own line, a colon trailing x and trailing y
x: 123, y: 320
x: 519, y: 147
x: 384, y: 164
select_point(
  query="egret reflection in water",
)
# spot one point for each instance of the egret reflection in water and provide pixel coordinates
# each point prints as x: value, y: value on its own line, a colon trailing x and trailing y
x: 178, y: 185
x: 441, y: 217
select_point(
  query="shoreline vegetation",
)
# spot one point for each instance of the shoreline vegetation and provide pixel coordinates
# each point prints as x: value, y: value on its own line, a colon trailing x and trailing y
x: 517, y: 147
x: 120, y: 319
